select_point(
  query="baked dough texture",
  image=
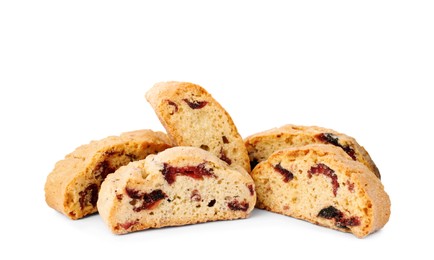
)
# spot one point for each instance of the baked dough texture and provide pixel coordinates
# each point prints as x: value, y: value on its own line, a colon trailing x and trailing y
x: 263, y: 144
x: 192, y: 117
x: 179, y: 186
x: 320, y: 184
x: 72, y: 187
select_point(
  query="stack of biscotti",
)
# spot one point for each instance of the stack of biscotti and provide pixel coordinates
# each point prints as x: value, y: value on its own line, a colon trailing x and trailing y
x: 204, y: 178
x: 318, y: 175
x: 203, y: 170
x: 198, y: 172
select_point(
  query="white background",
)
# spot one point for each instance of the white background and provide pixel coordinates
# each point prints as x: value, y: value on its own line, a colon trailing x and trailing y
x: 76, y: 71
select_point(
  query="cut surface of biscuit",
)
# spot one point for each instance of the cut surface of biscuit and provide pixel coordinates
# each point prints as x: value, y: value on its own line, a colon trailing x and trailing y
x: 192, y: 117
x: 72, y: 187
x: 321, y: 184
x: 179, y: 186
x: 263, y: 144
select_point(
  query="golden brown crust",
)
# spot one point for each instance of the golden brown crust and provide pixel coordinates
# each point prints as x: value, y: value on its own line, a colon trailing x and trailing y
x: 192, y: 117
x: 179, y: 186
x: 323, y: 180
x: 261, y: 145
x: 72, y: 187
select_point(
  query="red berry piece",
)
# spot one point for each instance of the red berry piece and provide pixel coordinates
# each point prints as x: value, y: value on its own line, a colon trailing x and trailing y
x: 236, y: 205
x: 340, y: 221
x: 321, y: 168
x: 196, y: 172
x: 287, y: 175
x: 224, y: 157
x: 173, y: 105
x: 251, y: 189
x: 195, y: 104
x: 142, y: 200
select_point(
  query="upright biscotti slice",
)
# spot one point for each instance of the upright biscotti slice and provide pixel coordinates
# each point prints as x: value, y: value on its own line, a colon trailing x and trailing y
x: 72, y: 187
x: 179, y: 186
x: 261, y: 145
x: 192, y: 117
x: 322, y: 185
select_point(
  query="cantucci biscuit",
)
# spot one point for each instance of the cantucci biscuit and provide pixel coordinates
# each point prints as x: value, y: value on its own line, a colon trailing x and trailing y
x: 192, y: 117
x: 72, y: 187
x: 179, y: 186
x: 261, y: 145
x: 319, y: 183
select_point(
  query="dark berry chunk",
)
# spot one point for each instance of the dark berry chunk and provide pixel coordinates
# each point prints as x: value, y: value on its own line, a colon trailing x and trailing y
x: 340, y: 220
x: 287, y: 175
x: 330, y: 212
x: 211, y: 203
x: 173, y: 105
x: 321, y: 168
x: 224, y: 157
x: 134, y: 194
x: 236, y: 205
x: 225, y: 140
x: 88, y: 196
x: 196, y: 172
x: 142, y: 200
x: 334, y: 140
x: 195, y: 104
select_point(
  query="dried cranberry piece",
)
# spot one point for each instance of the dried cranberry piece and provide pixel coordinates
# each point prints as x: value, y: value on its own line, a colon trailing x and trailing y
x: 238, y: 206
x: 88, y: 195
x: 195, y: 104
x: 321, y: 168
x: 251, y: 189
x: 196, y: 172
x: 127, y: 224
x: 225, y: 140
x: 334, y: 140
x: 174, y: 105
x: 340, y: 221
x: 347, y: 222
x: 148, y: 200
x: 223, y: 157
x: 287, y: 175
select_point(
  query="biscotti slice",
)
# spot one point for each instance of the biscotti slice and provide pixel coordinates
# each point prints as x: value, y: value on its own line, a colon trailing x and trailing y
x: 261, y: 145
x: 192, y: 117
x: 320, y: 184
x: 72, y: 187
x: 179, y: 186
